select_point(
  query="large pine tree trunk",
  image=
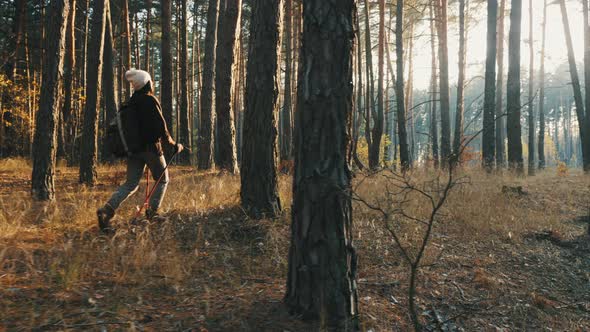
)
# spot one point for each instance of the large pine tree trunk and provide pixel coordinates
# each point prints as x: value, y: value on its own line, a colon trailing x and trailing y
x: 531, y: 99
x: 166, y: 67
x: 489, y: 121
x: 404, y: 152
x: 541, y: 140
x: 322, y: 261
x: 576, y: 86
x: 224, y: 93
x: 287, y: 140
x: 259, y: 194
x: 377, y: 132
x: 458, y: 137
x: 205, y: 140
x: 89, y: 143
x: 45, y: 141
x: 443, y: 58
x: 500, y: 116
x: 513, y: 90
x: 184, y: 134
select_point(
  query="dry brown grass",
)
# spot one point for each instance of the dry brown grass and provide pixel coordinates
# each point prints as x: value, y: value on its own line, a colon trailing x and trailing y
x: 209, y: 267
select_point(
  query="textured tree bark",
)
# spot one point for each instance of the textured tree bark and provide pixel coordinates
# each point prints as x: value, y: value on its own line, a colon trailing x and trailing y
x: 500, y: 116
x: 205, y: 140
x: 224, y: 78
x: 575, y: 86
x: 45, y: 141
x: 404, y: 152
x: 322, y: 260
x: 489, y: 120
x: 443, y: 58
x: 108, y: 77
x: 89, y: 142
x: 184, y: 135
x: 541, y: 140
x: 515, y: 161
x: 434, y: 93
x: 458, y: 137
x: 259, y: 193
x: 287, y: 141
x: 531, y: 99
x: 166, y: 67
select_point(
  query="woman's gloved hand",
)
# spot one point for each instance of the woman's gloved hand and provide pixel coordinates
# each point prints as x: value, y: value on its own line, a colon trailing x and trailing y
x: 178, y: 148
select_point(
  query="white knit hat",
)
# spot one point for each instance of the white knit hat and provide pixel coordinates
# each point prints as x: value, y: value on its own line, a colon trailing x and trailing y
x: 138, y: 78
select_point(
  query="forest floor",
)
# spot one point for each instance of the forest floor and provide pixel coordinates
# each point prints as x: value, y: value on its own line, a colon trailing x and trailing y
x: 497, y: 261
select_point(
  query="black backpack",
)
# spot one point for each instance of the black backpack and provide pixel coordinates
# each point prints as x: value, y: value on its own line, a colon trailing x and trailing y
x: 123, y: 137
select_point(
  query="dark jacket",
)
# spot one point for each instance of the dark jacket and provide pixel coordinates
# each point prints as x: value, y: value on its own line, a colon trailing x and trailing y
x: 150, y: 131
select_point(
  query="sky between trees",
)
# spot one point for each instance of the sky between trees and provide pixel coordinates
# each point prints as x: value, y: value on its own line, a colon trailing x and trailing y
x: 556, y: 53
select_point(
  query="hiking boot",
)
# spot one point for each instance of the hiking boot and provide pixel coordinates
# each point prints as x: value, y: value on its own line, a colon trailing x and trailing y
x: 105, y: 214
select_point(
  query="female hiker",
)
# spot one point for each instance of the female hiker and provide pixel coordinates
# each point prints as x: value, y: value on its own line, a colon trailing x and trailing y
x: 146, y: 149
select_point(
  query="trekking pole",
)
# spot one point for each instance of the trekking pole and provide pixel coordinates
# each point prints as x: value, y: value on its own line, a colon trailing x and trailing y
x: 151, y: 192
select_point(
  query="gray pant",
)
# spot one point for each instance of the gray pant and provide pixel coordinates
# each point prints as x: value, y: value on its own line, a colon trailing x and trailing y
x: 135, y: 169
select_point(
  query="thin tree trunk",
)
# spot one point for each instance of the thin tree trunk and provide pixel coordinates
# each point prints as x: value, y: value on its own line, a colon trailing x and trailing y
x: 531, y: 101
x: 443, y: 51
x: 434, y: 94
x: 404, y: 153
x: 585, y: 139
x: 108, y: 76
x: 370, y: 105
x: 69, y: 73
x: 287, y: 140
x: 205, y: 141
x: 136, y: 41
x: 541, y: 139
x: 359, y: 97
x: 500, y: 116
x: 389, y: 123
x: 458, y: 137
x: 148, y: 32
x: 575, y: 86
x: 226, y: 57
x: 410, y: 94
x: 127, y: 46
x: 489, y: 120
x: 259, y: 191
x: 321, y: 280
x: 377, y: 132
x: 166, y: 67
x: 513, y: 90
x: 45, y: 141
x: 184, y: 133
